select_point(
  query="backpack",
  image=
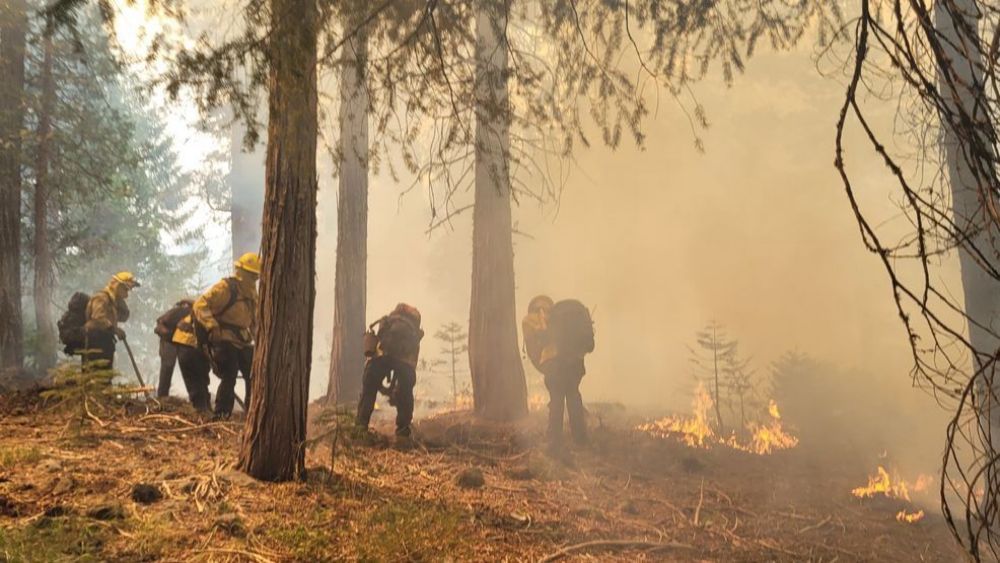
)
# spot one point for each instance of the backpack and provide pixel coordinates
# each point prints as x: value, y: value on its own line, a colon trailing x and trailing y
x: 200, y: 332
x: 571, y: 328
x: 166, y: 324
x: 71, y: 325
x: 398, y: 336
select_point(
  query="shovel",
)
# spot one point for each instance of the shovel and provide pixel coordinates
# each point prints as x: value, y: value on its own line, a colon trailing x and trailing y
x: 135, y: 366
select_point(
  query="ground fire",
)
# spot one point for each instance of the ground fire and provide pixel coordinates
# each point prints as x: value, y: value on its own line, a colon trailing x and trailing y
x: 884, y: 485
x: 696, y: 431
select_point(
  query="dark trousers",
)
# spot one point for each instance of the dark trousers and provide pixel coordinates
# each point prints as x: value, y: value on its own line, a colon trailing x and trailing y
x: 99, y: 350
x: 378, y: 370
x: 168, y: 359
x: 231, y: 361
x: 195, y: 368
x: 562, y: 379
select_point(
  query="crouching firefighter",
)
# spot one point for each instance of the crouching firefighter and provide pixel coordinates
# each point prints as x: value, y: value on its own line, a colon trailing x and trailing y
x: 166, y: 326
x: 392, y: 351
x: 224, y: 322
x: 105, y: 310
x: 194, y: 364
x: 557, y: 337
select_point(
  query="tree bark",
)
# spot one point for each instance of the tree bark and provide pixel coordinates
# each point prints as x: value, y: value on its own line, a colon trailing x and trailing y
x: 13, y: 26
x: 45, y: 353
x: 350, y: 287
x: 246, y: 200
x: 275, y: 431
x: 963, y: 94
x: 498, y: 385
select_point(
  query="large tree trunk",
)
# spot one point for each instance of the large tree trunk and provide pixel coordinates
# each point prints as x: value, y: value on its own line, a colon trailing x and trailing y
x: 964, y: 93
x: 275, y: 429
x: 246, y: 185
x: 350, y: 287
x: 13, y: 26
x: 45, y: 354
x: 498, y: 386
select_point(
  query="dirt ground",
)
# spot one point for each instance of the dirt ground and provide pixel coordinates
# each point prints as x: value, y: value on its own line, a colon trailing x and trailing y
x: 465, y: 491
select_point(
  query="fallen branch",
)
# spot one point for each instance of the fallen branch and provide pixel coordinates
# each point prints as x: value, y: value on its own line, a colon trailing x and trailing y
x: 613, y: 544
x: 821, y: 523
x: 701, y: 498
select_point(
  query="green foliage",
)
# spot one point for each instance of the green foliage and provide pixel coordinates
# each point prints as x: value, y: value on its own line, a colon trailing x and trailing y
x: 411, y: 531
x: 81, y: 392
x: 11, y: 457
x: 59, y: 539
x: 119, y: 200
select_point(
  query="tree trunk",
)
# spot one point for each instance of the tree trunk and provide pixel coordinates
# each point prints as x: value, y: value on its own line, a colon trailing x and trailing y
x: 963, y: 94
x: 13, y: 26
x: 246, y: 201
x: 498, y: 386
x: 275, y: 431
x: 45, y: 354
x: 350, y: 287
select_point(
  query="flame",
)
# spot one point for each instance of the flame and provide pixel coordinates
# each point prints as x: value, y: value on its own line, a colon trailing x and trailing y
x: 696, y: 432
x: 772, y: 409
x: 537, y: 401
x: 909, y: 517
x: 882, y: 484
x: 770, y: 437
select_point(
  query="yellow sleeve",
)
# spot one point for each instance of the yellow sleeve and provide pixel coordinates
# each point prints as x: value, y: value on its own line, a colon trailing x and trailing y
x: 212, y: 300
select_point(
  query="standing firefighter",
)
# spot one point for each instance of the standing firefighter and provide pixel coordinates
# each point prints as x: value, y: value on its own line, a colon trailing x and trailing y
x: 557, y: 337
x: 105, y: 310
x: 392, y: 354
x: 166, y: 324
x: 224, y: 323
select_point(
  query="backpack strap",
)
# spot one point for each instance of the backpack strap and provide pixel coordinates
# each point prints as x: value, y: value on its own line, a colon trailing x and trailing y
x: 233, y: 287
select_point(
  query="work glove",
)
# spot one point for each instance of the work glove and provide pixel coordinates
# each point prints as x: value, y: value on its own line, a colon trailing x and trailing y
x: 119, y: 333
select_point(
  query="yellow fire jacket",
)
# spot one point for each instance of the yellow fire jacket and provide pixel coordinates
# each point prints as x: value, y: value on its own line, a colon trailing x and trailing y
x: 238, y: 322
x: 184, y: 333
x: 104, y: 312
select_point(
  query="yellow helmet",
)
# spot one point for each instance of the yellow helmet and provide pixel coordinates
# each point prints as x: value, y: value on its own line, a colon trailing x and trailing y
x: 126, y: 278
x: 249, y: 262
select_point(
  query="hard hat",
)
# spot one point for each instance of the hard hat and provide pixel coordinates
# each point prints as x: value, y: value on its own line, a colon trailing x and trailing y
x: 127, y: 279
x: 249, y: 262
x: 540, y: 302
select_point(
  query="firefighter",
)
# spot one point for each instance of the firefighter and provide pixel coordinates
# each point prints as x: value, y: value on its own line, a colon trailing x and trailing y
x: 562, y: 335
x: 392, y: 358
x: 166, y: 325
x: 105, y: 310
x: 225, y: 320
x: 194, y: 364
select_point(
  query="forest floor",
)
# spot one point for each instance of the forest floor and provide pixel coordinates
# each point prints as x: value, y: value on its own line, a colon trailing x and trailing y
x: 69, y: 492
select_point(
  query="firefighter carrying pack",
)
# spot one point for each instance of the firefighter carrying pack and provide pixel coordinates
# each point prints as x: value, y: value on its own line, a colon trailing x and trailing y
x: 398, y: 336
x: 200, y: 332
x: 571, y: 328
x: 72, y: 333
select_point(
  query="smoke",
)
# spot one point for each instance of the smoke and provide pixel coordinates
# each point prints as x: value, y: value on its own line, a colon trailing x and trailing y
x: 754, y: 233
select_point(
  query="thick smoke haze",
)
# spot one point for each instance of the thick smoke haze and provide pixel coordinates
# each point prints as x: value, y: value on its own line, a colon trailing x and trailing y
x: 755, y: 233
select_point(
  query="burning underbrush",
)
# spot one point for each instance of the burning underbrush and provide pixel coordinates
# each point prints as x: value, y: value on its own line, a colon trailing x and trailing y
x: 883, y: 485
x: 697, y: 432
